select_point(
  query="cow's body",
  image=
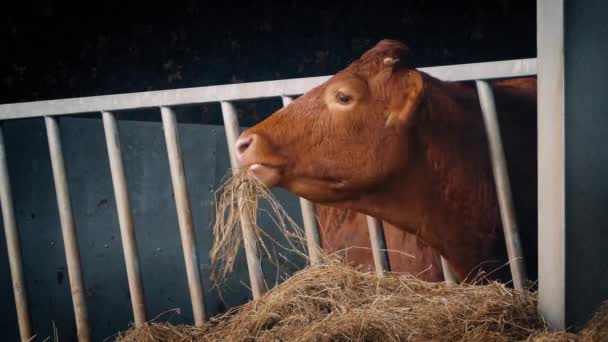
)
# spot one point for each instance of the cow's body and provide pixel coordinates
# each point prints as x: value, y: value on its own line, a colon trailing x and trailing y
x: 345, y: 233
x: 382, y: 139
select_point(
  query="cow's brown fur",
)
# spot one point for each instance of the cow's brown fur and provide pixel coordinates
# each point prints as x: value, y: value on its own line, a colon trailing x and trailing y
x: 409, y: 149
x: 345, y: 232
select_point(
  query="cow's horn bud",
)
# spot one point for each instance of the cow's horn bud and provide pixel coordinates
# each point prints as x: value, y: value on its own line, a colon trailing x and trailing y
x: 390, y: 61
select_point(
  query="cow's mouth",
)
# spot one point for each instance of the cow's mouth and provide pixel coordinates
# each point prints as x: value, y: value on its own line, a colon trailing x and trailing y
x: 267, y: 174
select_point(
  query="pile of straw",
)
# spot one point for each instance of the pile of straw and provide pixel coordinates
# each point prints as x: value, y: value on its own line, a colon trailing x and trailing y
x: 334, y: 302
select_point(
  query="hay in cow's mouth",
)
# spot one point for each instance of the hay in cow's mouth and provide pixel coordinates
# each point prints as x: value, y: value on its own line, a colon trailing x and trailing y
x: 334, y: 302
x: 240, y: 195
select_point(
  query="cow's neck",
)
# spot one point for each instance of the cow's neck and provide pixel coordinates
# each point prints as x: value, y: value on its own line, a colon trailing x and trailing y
x: 447, y: 195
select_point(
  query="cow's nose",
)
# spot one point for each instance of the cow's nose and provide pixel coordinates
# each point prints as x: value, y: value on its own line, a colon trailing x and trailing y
x: 243, y: 143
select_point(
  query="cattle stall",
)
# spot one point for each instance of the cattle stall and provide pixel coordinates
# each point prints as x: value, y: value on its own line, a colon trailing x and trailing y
x: 166, y: 102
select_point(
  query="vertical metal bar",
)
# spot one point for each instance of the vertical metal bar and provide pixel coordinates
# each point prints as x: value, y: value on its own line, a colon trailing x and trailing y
x: 125, y: 219
x: 13, y: 247
x: 184, y: 214
x: 256, y: 277
x: 376, y: 237
x: 313, y: 240
x: 503, y: 186
x: 311, y: 227
x: 68, y: 229
x: 551, y: 163
x: 448, y: 276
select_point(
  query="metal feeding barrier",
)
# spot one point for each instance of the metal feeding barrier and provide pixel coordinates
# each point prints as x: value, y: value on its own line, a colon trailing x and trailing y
x: 165, y: 100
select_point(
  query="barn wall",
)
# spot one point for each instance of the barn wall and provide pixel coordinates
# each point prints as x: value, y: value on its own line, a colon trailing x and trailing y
x: 586, y: 129
x: 161, y: 259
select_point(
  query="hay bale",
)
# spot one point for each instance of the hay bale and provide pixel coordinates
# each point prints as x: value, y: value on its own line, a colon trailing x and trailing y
x: 597, y: 328
x: 334, y: 302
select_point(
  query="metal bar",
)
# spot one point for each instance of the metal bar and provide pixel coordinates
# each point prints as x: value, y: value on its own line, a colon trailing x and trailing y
x: 311, y: 228
x: 184, y: 214
x: 448, y: 276
x: 13, y: 247
x: 256, y: 277
x: 313, y: 240
x: 551, y: 163
x: 68, y: 230
x: 125, y: 219
x: 242, y: 91
x: 503, y: 186
x: 379, y: 250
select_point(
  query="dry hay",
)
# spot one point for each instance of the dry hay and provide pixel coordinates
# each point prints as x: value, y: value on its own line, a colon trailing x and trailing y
x: 239, y: 197
x: 334, y: 302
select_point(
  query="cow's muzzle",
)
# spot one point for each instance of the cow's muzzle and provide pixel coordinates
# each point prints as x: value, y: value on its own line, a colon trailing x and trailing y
x: 254, y: 154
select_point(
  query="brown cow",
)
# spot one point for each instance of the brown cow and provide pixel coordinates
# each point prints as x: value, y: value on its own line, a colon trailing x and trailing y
x: 384, y: 139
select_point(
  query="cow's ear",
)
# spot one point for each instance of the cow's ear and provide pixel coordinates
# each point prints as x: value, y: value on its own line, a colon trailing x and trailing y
x: 405, y: 92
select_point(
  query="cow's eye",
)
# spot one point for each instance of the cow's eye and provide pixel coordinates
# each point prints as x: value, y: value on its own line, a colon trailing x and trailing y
x: 343, y: 98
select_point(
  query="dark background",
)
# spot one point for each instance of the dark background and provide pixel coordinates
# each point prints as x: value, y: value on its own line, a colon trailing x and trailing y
x: 56, y: 49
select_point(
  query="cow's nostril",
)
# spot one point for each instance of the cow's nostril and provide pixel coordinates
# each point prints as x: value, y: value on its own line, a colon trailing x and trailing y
x: 243, y: 144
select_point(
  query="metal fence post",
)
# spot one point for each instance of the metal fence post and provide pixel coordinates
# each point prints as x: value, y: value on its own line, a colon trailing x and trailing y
x: 378, y: 242
x: 503, y: 185
x: 125, y: 219
x: 13, y: 247
x: 551, y: 153
x: 184, y: 214
x: 448, y: 276
x: 68, y: 229
x: 256, y: 277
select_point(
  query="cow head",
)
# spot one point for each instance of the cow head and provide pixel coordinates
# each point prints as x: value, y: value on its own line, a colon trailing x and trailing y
x: 345, y: 137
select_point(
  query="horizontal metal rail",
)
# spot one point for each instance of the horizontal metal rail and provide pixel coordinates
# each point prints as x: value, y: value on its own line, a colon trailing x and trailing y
x: 242, y: 91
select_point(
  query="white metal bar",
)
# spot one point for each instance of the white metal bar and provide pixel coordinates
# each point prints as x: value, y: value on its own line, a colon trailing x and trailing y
x: 68, y: 229
x: 184, y: 214
x: 125, y: 219
x: 256, y: 277
x: 378, y: 242
x: 13, y: 247
x: 503, y: 185
x: 551, y: 163
x: 448, y: 276
x: 311, y: 228
x: 242, y: 91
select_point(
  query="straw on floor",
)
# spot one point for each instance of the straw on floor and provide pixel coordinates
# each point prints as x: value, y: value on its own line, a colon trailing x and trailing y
x: 335, y: 302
